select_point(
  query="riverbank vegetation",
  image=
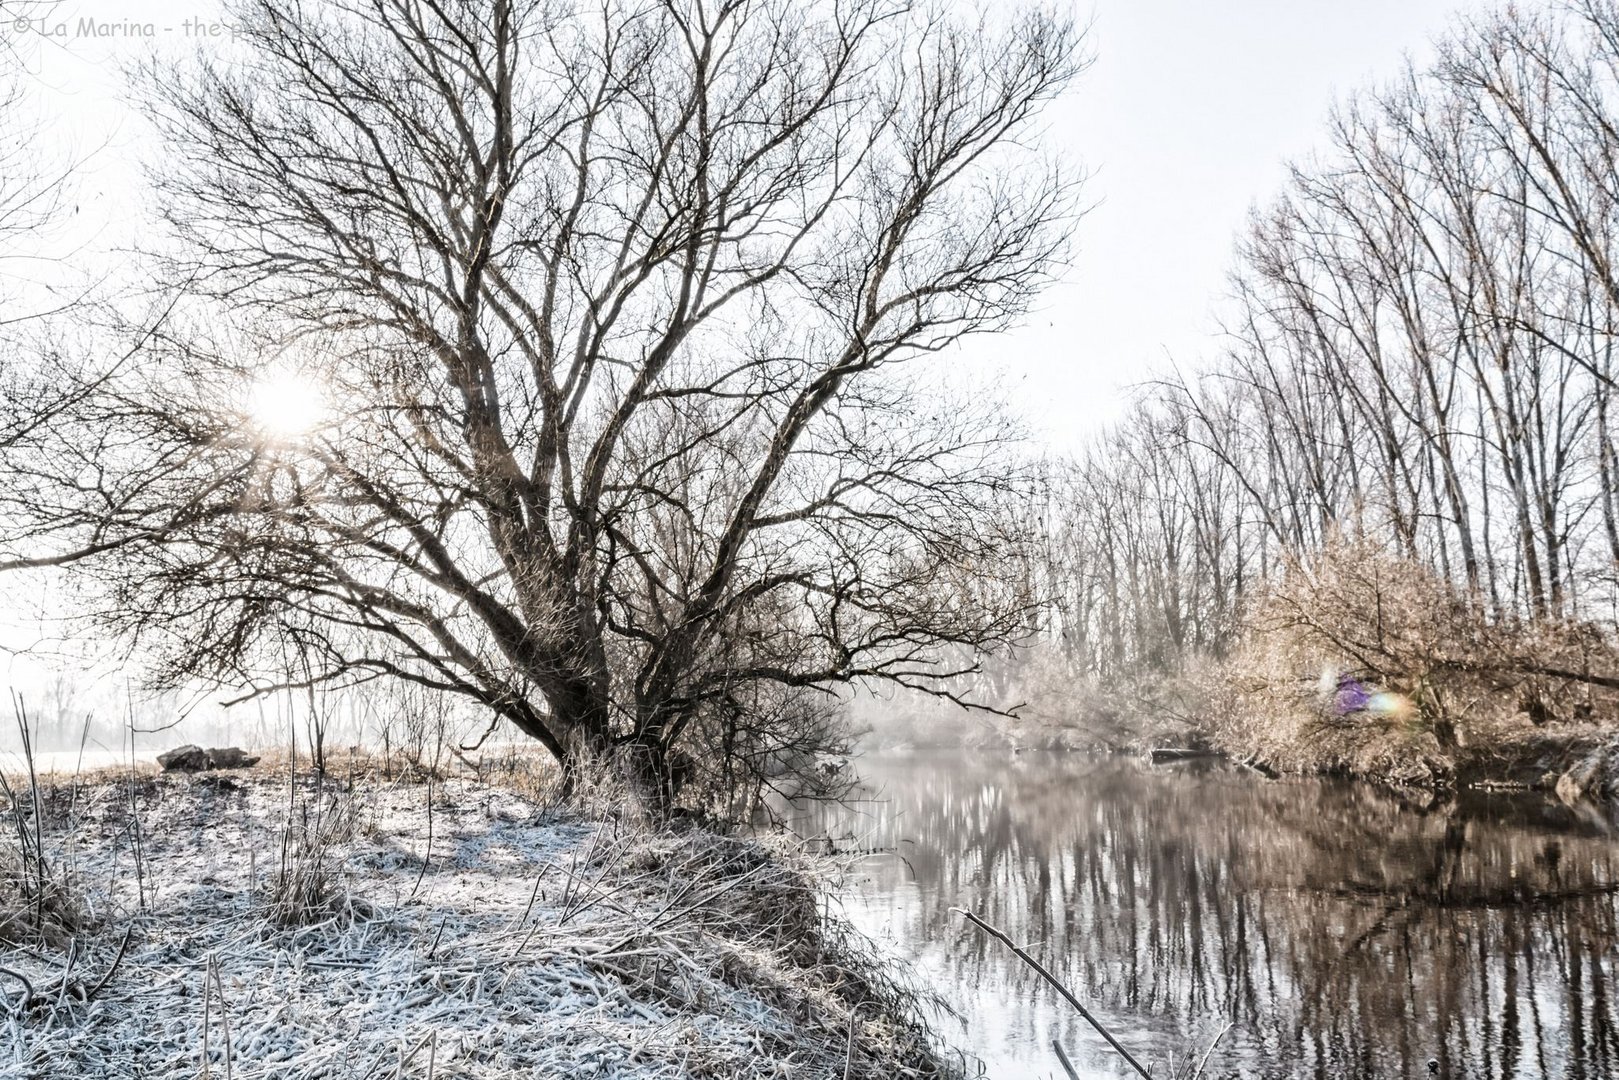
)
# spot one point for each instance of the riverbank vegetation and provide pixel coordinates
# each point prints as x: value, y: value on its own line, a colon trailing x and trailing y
x: 1401, y: 469
x: 384, y: 919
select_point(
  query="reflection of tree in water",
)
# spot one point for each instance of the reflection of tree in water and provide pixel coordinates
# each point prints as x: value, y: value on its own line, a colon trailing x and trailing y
x: 1347, y: 933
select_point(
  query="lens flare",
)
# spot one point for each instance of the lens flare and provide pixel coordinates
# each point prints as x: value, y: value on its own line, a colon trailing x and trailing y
x: 287, y: 405
x: 1391, y: 705
x: 1352, y: 696
x: 1348, y: 695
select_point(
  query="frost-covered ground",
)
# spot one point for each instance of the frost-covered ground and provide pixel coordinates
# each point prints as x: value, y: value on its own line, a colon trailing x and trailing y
x: 373, y: 926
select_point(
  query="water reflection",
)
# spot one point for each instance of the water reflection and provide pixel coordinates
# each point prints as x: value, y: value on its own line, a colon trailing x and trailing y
x: 1343, y: 931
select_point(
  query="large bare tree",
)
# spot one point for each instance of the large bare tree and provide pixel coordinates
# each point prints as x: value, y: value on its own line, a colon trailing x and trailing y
x: 606, y: 318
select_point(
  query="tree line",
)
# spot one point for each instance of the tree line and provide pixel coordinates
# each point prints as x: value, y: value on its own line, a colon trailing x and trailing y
x: 1418, y: 357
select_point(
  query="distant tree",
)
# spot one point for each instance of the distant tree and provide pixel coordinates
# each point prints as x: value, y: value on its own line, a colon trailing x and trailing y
x: 1419, y: 363
x: 559, y: 357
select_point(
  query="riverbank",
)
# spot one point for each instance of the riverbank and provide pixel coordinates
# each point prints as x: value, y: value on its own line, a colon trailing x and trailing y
x: 1356, y: 663
x: 378, y: 923
x: 1287, y: 734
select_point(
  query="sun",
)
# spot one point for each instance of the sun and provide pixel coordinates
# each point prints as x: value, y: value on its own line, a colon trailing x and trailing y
x: 287, y: 405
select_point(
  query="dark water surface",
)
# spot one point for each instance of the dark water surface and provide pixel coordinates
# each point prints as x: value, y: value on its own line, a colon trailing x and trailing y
x: 1345, y: 932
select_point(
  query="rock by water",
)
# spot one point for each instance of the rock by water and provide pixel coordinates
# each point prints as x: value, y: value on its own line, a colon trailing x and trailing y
x: 195, y: 759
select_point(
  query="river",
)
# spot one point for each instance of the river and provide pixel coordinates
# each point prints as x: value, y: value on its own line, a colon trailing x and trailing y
x: 1343, y: 931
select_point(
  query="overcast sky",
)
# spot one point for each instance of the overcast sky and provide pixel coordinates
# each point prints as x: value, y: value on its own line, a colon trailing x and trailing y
x: 1185, y: 121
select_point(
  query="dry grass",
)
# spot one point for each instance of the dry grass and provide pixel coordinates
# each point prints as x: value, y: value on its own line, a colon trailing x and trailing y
x: 309, y: 885
x: 324, y: 928
x: 39, y: 903
x: 39, y: 900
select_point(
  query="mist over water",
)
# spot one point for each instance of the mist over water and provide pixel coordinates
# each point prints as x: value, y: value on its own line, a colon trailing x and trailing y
x: 1344, y: 931
x: 81, y: 724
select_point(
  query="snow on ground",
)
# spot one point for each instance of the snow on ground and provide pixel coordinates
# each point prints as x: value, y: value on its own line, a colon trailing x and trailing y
x: 355, y: 929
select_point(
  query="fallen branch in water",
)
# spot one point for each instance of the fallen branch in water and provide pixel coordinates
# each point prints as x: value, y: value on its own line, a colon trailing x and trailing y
x: 1056, y: 985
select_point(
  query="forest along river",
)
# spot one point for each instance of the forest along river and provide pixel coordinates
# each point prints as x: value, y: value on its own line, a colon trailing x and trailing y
x: 1345, y: 931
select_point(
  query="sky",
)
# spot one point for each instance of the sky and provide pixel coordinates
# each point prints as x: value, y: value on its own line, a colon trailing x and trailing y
x: 1184, y: 122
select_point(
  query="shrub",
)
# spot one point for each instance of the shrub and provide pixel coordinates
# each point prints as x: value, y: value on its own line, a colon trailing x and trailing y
x: 1459, y: 680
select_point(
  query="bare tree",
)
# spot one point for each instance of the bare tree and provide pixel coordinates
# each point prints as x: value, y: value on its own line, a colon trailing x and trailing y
x: 611, y: 309
x: 1418, y: 371
x: 36, y: 185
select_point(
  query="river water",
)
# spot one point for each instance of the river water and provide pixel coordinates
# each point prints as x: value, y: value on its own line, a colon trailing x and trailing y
x: 1341, y: 930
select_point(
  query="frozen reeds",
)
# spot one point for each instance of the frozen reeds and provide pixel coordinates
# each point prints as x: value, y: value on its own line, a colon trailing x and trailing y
x: 39, y: 902
x: 314, y: 932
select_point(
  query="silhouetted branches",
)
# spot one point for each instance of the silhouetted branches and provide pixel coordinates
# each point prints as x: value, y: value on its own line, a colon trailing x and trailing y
x: 611, y: 313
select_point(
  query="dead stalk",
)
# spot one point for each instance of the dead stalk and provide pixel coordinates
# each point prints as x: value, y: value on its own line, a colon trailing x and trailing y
x: 112, y: 968
x: 1201, y: 1065
x: 848, y: 1061
x: 428, y: 854
x: 27, y: 989
x: 1055, y: 984
x: 1062, y: 1057
x: 211, y: 982
x: 224, y: 1016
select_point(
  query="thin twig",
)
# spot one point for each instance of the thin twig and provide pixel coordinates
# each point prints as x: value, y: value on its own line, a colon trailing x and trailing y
x: 428, y: 854
x: 102, y: 982
x: 27, y: 988
x: 1056, y: 985
x: 224, y: 1013
x: 67, y: 971
x: 532, y: 896
x: 848, y: 1061
x: 1062, y: 1056
x: 207, y: 1017
x: 1204, y: 1063
x: 40, y: 871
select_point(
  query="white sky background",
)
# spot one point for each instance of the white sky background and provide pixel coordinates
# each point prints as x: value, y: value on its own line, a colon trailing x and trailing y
x: 1184, y: 122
